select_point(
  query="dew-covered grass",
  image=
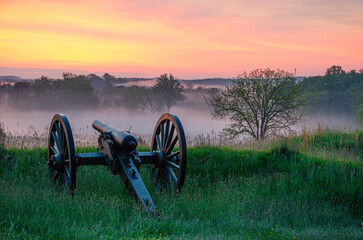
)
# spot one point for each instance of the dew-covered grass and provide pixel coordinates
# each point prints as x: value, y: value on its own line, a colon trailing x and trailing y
x: 302, y: 187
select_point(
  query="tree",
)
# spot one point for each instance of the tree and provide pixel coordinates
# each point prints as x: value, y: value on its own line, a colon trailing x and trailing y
x: 4, y: 95
x: 259, y: 103
x: 334, y: 70
x: 68, y: 75
x: 150, y: 100
x: 98, y: 82
x: 42, y: 93
x: 108, y: 77
x: 169, y: 90
x: 77, y: 93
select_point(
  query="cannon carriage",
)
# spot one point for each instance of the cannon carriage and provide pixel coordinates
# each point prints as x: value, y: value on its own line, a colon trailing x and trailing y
x: 117, y: 150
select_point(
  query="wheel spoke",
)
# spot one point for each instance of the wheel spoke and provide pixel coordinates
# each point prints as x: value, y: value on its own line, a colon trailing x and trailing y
x: 64, y: 182
x: 65, y: 179
x: 159, y: 175
x: 171, y: 173
x: 170, y: 137
x: 66, y: 161
x: 60, y: 136
x: 173, y: 154
x: 162, y: 136
x: 64, y: 142
x: 56, y: 140
x: 67, y: 171
x: 167, y: 179
x: 158, y: 141
x: 166, y: 134
x: 172, y: 145
x: 66, y: 152
x: 61, y: 178
x: 170, y: 163
x: 54, y: 150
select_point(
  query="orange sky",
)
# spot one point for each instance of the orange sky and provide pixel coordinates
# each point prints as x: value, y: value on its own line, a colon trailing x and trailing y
x: 190, y: 38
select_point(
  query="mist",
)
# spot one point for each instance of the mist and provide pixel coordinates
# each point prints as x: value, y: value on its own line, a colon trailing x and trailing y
x: 195, y: 121
x: 26, y: 109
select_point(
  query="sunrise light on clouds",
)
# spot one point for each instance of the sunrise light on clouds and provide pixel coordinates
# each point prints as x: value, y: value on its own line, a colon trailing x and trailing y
x: 191, y: 39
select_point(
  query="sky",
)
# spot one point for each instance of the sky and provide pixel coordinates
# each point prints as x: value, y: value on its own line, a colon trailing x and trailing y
x: 189, y: 38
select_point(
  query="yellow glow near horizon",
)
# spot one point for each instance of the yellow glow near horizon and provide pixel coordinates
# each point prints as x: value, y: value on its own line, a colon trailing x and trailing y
x: 68, y: 41
x: 152, y: 37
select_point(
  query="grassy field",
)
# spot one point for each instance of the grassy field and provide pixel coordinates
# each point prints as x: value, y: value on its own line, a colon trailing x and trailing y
x: 305, y: 187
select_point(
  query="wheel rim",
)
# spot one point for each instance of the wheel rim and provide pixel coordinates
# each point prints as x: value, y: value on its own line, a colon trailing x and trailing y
x: 168, y: 142
x: 61, y: 153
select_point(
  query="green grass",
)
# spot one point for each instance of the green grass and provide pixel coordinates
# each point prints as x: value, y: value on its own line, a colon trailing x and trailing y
x: 290, y: 189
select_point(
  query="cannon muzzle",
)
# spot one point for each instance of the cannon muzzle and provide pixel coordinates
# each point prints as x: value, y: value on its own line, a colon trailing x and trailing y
x: 122, y: 139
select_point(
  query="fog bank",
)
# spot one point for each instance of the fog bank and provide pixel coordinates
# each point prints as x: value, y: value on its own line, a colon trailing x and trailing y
x: 194, y: 121
x: 197, y: 124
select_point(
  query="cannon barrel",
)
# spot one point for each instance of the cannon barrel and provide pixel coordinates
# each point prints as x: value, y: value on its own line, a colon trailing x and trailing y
x: 122, y: 139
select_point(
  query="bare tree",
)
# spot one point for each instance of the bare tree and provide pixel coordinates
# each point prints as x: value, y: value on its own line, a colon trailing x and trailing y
x: 150, y: 101
x: 259, y: 103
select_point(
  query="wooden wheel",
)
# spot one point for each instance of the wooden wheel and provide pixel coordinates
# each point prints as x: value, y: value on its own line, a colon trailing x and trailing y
x: 168, y: 142
x: 61, y: 154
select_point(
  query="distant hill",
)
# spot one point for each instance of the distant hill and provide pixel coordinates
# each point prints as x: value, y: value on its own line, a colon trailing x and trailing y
x: 13, y: 79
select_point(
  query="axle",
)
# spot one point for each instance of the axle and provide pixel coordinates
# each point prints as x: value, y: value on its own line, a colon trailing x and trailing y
x: 99, y: 158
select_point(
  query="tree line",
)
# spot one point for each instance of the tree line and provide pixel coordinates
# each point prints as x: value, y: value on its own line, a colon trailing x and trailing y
x: 91, y: 92
x: 337, y: 92
x: 46, y: 94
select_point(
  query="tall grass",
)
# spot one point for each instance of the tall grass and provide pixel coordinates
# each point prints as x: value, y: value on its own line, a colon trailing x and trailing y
x: 285, y: 190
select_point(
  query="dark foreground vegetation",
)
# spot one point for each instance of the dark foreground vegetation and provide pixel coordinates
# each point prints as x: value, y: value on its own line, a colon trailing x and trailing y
x: 304, y: 187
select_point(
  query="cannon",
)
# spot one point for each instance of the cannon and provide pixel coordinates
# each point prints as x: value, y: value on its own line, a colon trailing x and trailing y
x: 117, y: 150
